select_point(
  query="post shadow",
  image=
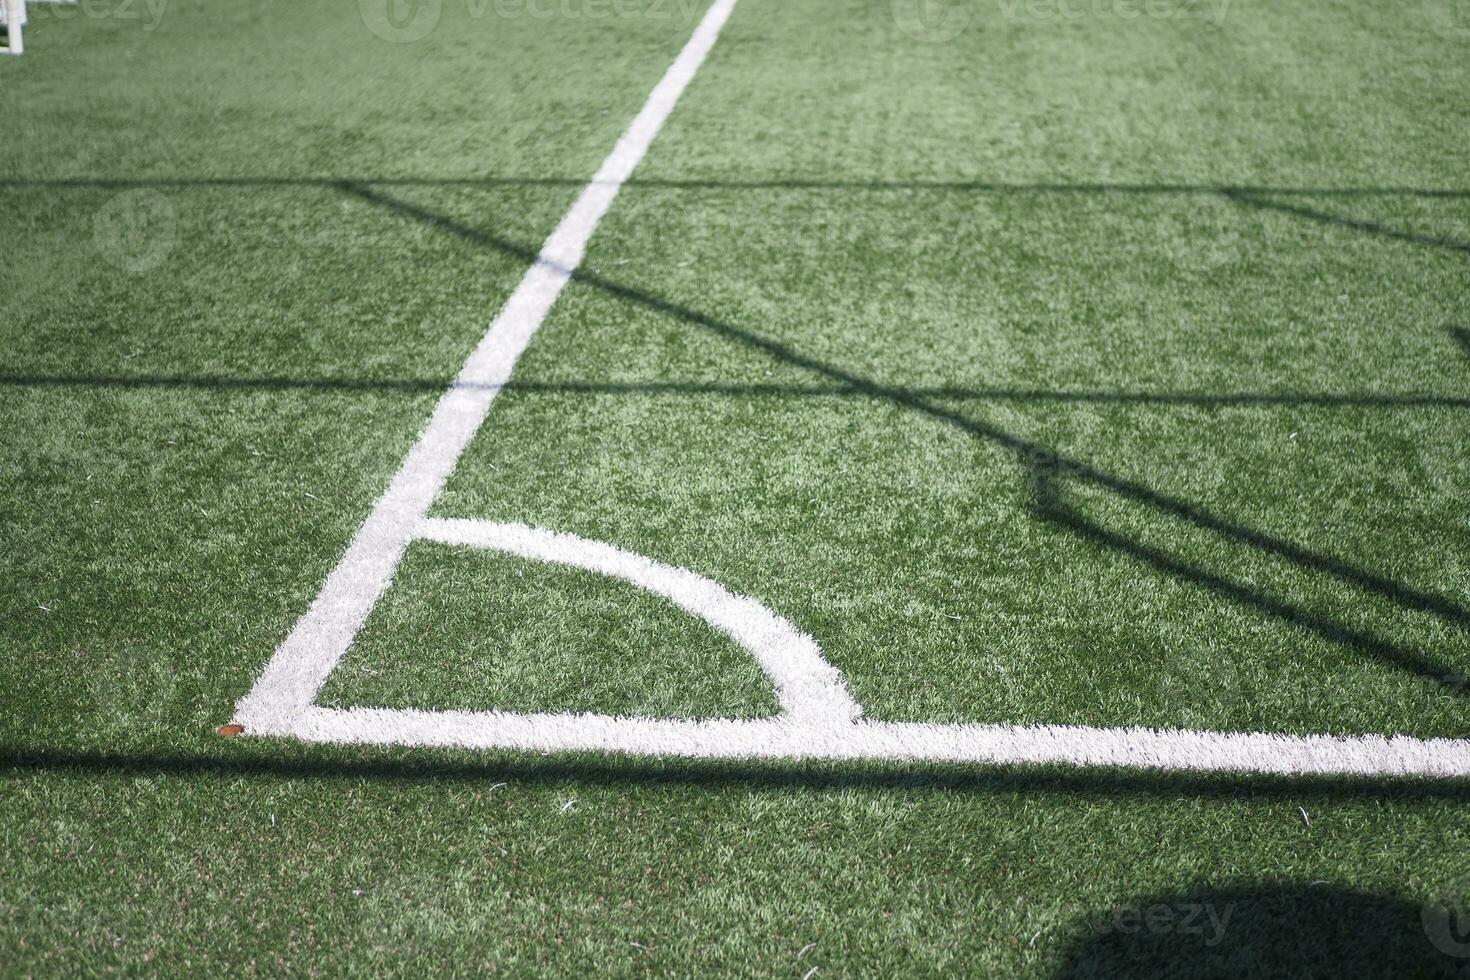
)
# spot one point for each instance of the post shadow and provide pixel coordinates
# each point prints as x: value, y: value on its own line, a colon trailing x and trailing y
x: 1257, y: 199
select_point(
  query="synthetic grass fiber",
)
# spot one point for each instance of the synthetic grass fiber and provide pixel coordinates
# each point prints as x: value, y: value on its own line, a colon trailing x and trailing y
x: 1056, y: 363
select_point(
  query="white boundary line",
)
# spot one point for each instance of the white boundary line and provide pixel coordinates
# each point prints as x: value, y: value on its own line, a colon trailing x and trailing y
x: 818, y: 718
x: 302, y: 662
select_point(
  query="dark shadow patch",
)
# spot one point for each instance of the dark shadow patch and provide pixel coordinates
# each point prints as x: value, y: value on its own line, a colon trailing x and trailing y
x: 1267, y: 931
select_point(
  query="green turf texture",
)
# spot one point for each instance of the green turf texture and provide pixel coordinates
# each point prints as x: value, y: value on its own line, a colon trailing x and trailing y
x: 1099, y: 369
x: 535, y: 637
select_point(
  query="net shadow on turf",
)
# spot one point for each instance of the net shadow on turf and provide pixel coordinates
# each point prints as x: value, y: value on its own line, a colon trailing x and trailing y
x: 1030, y: 452
x: 1037, y: 458
x: 1044, y: 500
x: 1259, y: 197
x: 1259, y: 200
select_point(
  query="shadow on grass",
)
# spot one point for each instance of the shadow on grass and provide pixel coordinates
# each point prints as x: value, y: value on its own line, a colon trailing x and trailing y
x: 286, y: 759
x: 1255, y: 197
x: 1035, y: 455
x: 1049, y: 504
x: 1272, y: 930
x: 1167, y: 399
x: 1040, y: 461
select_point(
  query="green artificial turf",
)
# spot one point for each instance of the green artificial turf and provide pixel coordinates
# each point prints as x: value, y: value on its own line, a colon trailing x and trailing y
x: 525, y: 636
x: 1095, y: 369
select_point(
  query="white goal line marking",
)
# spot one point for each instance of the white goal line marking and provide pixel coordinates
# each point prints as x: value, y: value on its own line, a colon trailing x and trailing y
x: 818, y: 718
x: 300, y: 665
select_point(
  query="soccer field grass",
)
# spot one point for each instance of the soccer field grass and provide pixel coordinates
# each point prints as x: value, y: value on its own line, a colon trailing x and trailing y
x: 1103, y: 366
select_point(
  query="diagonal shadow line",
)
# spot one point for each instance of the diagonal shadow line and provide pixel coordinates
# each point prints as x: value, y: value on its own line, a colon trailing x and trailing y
x: 1028, y: 450
x: 776, y: 184
x: 992, y: 780
x: 441, y: 222
x: 1255, y: 200
x: 943, y: 392
x: 1049, y: 505
x: 1252, y: 196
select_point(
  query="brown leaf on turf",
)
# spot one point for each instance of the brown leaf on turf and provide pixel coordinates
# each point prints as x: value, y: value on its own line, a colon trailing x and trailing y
x: 229, y: 731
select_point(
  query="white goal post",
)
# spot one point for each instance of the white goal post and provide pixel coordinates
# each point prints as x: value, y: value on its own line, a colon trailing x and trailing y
x: 13, y: 16
x: 13, y: 19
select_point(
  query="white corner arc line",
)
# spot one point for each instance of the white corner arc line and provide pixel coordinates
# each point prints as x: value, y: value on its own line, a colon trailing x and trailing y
x: 818, y: 719
x: 306, y: 657
x: 809, y: 690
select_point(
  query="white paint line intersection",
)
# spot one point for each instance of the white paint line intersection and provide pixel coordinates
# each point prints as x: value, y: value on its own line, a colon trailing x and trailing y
x: 818, y: 718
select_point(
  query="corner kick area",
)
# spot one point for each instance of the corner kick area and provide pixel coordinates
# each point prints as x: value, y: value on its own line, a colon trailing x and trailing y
x: 281, y: 702
x: 743, y: 487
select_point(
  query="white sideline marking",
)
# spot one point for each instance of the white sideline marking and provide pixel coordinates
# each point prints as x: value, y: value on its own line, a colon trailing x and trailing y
x: 818, y: 718
x: 302, y: 662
